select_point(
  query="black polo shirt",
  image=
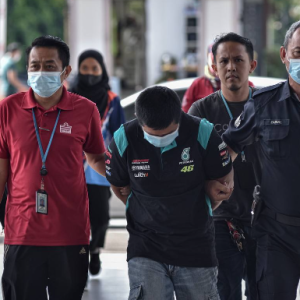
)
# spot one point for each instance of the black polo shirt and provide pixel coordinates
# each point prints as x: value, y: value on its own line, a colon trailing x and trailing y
x: 168, y: 215
x: 246, y: 174
x: 272, y: 117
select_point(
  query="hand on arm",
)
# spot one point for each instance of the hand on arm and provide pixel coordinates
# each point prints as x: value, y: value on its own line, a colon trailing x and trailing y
x: 97, y: 162
x: 3, y: 175
x: 121, y: 192
x: 220, y: 189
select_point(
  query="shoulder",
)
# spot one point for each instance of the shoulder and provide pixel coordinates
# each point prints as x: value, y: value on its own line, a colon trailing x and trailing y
x: 262, y: 96
x: 131, y: 126
x: 208, y: 101
x: 80, y: 100
x: 112, y: 95
x: 12, y: 100
x: 121, y: 135
x: 198, y: 82
x: 268, y: 89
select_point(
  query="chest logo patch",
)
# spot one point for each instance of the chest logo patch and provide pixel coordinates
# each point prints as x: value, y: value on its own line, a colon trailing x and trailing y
x: 185, y: 155
x: 66, y: 128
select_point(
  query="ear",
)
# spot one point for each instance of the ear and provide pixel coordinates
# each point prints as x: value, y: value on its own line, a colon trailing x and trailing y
x: 67, y: 72
x: 214, y: 67
x: 253, y: 65
x: 283, y: 54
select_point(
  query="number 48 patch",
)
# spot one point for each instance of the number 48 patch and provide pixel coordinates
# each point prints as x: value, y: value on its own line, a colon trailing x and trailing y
x: 189, y: 168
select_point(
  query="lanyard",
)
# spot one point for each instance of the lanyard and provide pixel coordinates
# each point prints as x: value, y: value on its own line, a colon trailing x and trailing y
x: 44, y: 156
x: 231, y: 116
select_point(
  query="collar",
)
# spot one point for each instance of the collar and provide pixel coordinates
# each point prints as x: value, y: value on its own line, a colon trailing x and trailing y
x: 66, y: 102
x: 284, y: 92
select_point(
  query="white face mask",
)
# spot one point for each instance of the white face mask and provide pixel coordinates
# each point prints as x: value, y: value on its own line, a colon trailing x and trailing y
x: 45, y: 84
x: 161, y: 141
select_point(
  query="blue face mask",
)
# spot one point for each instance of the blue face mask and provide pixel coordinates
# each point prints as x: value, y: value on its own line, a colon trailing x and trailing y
x: 161, y: 141
x: 45, y: 84
x: 294, y: 69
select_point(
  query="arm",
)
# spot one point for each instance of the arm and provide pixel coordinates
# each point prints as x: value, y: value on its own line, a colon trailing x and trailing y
x: 116, y: 165
x: 232, y: 153
x: 220, y: 189
x: 242, y: 131
x: 119, y: 192
x: 218, y: 170
x: 3, y: 175
x: 13, y: 79
x: 97, y: 162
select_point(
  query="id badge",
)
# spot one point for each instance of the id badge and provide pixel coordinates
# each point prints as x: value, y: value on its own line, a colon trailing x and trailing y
x: 41, y: 202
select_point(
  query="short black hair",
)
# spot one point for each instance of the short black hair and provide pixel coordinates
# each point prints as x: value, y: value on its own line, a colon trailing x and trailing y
x: 158, y: 107
x: 289, y: 34
x: 233, y: 37
x: 50, y: 41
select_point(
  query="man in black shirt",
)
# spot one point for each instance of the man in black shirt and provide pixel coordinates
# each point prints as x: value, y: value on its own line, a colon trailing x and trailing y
x: 272, y: 118
x: 233, y: 62
x: 166, y: 156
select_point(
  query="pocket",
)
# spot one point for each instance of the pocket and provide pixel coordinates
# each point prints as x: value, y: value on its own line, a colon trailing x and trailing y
x: 275, y: 135
x: 136, y: 292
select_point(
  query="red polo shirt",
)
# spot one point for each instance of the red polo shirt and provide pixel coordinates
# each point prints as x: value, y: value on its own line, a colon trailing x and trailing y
x: 78, y: 129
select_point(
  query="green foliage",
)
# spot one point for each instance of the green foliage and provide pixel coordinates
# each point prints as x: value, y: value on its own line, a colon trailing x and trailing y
x: 273, y: 64
x: 29, y: 19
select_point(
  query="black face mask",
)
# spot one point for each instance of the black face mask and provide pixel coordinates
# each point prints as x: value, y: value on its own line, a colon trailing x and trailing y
x: 90, y: 80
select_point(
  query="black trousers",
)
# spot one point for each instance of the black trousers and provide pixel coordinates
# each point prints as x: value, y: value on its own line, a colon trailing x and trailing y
x: 99, y: 213
x: 2, y: 207
x: 278, y: 270
x: 235, y: 265
x: 29, y: 270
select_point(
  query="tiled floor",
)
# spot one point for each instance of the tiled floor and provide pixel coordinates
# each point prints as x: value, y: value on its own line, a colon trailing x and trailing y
x: 112, y: 283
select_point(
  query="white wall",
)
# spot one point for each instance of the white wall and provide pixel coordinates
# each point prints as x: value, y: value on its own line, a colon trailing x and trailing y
x: 2, y: 27
x: 88, y: 28
x: 165, y: 32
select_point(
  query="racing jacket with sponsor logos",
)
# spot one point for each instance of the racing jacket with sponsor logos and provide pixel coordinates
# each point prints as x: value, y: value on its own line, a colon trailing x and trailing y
x: 168, y: 214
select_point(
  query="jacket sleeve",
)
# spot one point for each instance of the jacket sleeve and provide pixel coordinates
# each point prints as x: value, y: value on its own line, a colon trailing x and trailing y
x: 243, y: 130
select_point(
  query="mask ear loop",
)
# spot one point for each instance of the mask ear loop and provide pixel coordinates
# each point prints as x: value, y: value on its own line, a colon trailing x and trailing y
x: 61, y: 74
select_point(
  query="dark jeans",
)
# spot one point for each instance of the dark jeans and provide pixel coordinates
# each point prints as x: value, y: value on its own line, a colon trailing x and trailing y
x: 99, y: 213
x: 235, y: 265
x: 29, y: 270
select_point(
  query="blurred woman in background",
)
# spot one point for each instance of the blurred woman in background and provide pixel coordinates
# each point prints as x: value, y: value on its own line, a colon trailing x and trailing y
x: 92, y: 83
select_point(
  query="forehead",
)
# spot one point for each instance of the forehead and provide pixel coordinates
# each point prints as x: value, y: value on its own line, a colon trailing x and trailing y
x: 295, y: 40
x: 231, y: 49
x: 41, y: 54
x: 90, y: 61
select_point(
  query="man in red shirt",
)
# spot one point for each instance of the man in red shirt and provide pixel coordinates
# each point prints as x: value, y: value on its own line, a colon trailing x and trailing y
x: 43, y: 133
x: 202, y: 86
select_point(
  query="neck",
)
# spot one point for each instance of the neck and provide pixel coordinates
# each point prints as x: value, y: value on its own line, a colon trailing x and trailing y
x: 49, y: 102
x: 236, y: 96
x: 295, y: 86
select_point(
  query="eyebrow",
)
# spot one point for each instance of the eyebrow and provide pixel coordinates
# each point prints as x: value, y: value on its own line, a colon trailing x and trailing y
x: 47, y: 61
x: 226, y: 57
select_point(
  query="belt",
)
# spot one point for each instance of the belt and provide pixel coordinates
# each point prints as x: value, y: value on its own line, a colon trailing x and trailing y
x: 284, y: 219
